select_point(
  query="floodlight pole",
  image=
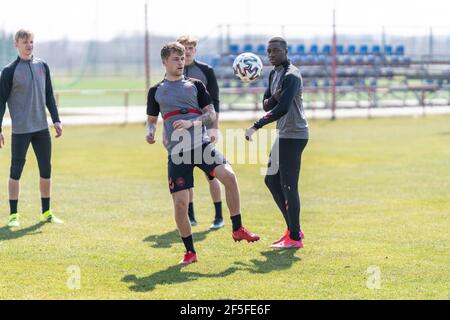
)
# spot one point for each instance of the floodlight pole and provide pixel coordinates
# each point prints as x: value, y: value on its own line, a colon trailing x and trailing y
x: 333, y: 69
x: 147, y: 51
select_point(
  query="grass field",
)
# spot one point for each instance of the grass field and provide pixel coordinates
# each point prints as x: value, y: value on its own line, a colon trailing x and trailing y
x: 374, y: 193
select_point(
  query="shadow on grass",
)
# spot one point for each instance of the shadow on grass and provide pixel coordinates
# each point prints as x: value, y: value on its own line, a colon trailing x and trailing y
x: 6, y: 233
x: 168, y: 239
x: 171, y: 275
x: 274, y: 261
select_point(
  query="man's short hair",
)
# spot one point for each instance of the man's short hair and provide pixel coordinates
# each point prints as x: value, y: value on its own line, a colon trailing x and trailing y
x: 280, y: 40
x: 173, y: 47
x: 187, y: 40
x: 23, y: 34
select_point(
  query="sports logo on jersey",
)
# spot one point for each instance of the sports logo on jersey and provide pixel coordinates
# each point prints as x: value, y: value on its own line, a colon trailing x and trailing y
x: 180, y: 182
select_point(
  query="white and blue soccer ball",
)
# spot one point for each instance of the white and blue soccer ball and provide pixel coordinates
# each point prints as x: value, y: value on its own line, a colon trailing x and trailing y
x: 247, y: 67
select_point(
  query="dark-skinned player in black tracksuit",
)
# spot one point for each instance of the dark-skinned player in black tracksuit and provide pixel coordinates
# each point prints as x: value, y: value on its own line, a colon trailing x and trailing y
x: 283, y: 100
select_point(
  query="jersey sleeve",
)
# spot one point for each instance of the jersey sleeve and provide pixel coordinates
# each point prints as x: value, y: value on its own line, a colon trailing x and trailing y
x: 49, y: 96
x: 152, y: 104
x: 203, y: 97
x: 213, y: 88
x: 289, y: 89
x: 6, y: 81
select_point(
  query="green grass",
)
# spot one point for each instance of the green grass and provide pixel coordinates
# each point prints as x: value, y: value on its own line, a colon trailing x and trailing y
x: 374, y: 193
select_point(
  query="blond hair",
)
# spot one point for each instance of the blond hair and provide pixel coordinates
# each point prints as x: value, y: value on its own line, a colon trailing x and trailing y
x: 23, y: 34
x: 187, y: 40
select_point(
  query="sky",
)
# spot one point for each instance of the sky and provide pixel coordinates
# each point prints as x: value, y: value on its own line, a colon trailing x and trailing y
x: 105, y: 19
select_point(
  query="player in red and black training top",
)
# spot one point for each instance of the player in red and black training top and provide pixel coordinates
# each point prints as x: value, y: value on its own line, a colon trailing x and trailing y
x: 201, y: 71
x: 186, y: 108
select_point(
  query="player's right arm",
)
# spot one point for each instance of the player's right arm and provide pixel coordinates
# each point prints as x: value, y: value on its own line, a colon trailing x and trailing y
x: 152, y: 115
x: 5, y: 90
x: 151, y: 129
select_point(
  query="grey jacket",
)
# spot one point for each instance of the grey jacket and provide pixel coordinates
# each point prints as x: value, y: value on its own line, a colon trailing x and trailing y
x: 27, y: 88
x: 287, y: 109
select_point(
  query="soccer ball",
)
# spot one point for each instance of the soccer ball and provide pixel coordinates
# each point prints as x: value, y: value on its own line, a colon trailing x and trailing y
x: 247, y: 67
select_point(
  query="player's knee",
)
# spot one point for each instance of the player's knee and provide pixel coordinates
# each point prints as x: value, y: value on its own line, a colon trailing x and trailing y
x: 16, y: 168
x: 290, y: 188
x: 229, y: 178
x: 45, y: 172
x: 180, y: 205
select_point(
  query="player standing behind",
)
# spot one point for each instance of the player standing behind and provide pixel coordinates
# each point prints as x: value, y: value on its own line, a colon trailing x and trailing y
x: 284, y: 99
x: 205, y: 73
x: 186, y: 108
x: 26, y: 85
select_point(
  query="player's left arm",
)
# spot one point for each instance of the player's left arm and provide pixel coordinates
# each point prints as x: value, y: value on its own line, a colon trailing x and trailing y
x: 51, y: 102
x: 289, y: 89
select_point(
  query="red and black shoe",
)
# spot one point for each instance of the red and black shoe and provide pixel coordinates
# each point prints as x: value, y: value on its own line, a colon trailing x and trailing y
x: 286, y: 235
x: 244, y: 234
x: 288, y: 243
x: 189, y: 257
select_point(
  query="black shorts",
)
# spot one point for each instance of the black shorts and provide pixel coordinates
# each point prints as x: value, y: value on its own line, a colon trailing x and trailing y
x: 181, y: 167
x: 42, y: 146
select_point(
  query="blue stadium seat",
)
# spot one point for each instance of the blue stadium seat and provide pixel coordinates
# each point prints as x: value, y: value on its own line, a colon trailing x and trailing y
x: 373, y: 82
x: 376, y: 49
x: 351, y: 49
x: 326, y: 49
x: 400, y: 50
x: 314, y: 49
x: 301, y: 49
x: 322, y: 59
x: 290, y: 49
x: 364, y: 49
x: 339, y: 49
x: 215, y: 62
x: 296, y: 59
x: 247, y: 47
x: 388, y: 50
x: 234, y: 49
x: 261, y: 50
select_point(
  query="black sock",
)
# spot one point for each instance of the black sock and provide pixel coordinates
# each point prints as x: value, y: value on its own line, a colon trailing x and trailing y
x: 191, y: 211
x: 295, y: 236
x: 218, y: 206
x: 237, y: 222
x: 45, y: 204
x: 13, y: 206
x: 189, y: 243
